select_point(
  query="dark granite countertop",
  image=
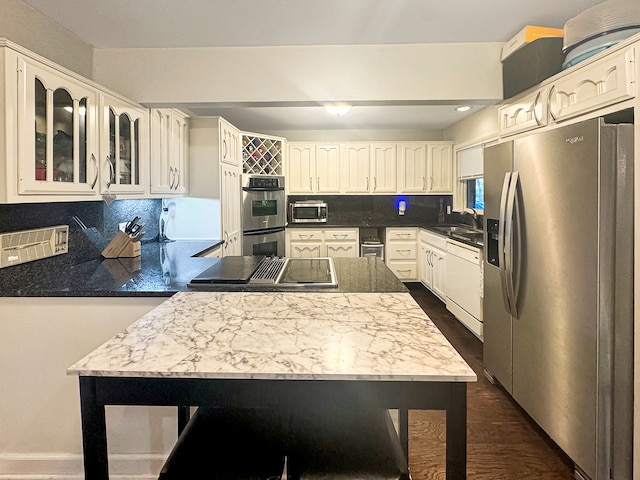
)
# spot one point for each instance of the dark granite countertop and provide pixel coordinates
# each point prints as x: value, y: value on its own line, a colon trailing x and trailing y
x: 164, y: 269
x: 161, y: 270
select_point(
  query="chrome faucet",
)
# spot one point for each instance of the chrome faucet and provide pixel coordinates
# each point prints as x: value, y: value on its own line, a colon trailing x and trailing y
x: 474, y: 216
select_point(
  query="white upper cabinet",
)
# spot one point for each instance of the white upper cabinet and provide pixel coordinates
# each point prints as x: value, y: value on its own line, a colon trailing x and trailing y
x: 384, y: 166
x: 356, y: 167
x: 65, y: 137
x: 313, y: 168
x: 57, y: 131
x: 124, y: 139
x: 301, y: 163
x: 370, y: 167
x: 413, y: 167
x: 440, y: 168
x: 609, y: 80
x: 327, y: 168
x: 599, y: 82
x: 168, y: 148
x: 229, y: 144
x: 525, y: 113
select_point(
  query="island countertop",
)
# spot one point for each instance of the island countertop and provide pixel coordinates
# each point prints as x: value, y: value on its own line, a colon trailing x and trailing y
x: 260, y: 335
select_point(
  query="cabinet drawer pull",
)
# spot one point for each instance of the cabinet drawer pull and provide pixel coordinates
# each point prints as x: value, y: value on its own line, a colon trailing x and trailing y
x: 340, y: 236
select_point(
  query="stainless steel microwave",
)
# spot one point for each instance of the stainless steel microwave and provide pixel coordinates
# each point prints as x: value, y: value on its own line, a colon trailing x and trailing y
x: 308, y: 211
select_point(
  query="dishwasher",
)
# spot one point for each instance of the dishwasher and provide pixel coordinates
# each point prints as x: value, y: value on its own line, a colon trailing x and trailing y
x: 464, y: 282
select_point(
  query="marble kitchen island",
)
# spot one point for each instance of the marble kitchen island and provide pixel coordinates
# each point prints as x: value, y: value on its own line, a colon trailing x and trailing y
x: 268, y: 348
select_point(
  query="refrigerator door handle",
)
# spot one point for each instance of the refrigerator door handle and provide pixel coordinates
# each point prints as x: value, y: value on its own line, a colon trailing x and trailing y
x: 508, y: 244
x: 501, y: 241
x: 516, y: 257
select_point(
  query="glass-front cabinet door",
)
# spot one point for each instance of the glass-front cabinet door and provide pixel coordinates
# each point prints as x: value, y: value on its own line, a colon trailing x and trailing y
x: 124, y: 157
x: 57, y: 121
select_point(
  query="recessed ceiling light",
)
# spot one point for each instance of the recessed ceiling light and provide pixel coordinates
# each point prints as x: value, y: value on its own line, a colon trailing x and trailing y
x: 337, y: 108
x: 463, y: 108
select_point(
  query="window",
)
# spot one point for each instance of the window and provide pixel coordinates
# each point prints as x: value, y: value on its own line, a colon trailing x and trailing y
x: 475, y: 193
x: 470, y: 181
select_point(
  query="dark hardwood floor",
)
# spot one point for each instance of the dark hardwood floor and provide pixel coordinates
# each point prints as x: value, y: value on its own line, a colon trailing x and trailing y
x: 503, y: 443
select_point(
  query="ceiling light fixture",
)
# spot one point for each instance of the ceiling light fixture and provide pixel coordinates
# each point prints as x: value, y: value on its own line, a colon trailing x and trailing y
x: 337, y: 108
x: 463, y: 108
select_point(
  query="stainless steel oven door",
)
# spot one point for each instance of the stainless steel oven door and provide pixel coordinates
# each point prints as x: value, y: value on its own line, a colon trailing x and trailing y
x: 263, y: 207
x: 264, y: 242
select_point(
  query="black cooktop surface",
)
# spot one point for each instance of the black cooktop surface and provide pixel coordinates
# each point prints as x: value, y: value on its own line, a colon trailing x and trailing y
x: 230, y: 270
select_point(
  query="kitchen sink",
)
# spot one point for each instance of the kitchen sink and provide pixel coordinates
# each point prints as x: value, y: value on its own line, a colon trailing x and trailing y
x: 459, y: 230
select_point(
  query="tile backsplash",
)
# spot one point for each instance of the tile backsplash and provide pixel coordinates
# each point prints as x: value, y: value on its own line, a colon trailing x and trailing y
x: 83, y: 246
x: 381, y: 210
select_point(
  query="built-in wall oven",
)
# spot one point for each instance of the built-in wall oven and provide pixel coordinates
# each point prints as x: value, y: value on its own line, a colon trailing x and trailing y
x: 263, y: 215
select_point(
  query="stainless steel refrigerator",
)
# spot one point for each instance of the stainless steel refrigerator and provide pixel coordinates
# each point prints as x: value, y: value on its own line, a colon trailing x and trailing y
x: 558, y: 273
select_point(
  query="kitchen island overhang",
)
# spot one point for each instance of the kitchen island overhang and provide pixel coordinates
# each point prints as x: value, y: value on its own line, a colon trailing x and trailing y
x: 269, y: 348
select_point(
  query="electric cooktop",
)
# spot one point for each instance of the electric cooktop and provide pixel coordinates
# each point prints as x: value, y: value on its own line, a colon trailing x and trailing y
x: 260, y: 270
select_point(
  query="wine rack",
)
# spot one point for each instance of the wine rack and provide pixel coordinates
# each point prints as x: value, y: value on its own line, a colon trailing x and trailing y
x: 261, y: 155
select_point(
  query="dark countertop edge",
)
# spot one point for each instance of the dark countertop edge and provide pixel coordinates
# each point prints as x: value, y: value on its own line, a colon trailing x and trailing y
x: 208, y: 249
x: 95, y: 294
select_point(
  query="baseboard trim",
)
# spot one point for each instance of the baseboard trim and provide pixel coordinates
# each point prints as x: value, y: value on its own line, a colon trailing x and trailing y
x: 53, y: 466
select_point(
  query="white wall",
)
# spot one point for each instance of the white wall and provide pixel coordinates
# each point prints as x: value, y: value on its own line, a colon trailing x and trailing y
x: 29, y: 28
x: 40, y: 404
x: 478, y: 127
x: 303, y: 73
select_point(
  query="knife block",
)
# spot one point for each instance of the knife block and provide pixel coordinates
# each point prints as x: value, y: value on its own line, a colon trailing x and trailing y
x: 122, y: 246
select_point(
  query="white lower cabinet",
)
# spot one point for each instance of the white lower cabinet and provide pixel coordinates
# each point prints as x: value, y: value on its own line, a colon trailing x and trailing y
x: 341, y: 242
x: 322, y: 242
x: 169, y: 151
x: 432, y: 263
x: 401, y: 252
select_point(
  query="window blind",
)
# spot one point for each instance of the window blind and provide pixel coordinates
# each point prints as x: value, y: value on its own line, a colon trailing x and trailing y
x: 470, y: 162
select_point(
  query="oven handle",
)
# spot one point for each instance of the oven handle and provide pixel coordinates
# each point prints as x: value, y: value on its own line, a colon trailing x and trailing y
x: 263, y: 189
x: 264, y: 231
